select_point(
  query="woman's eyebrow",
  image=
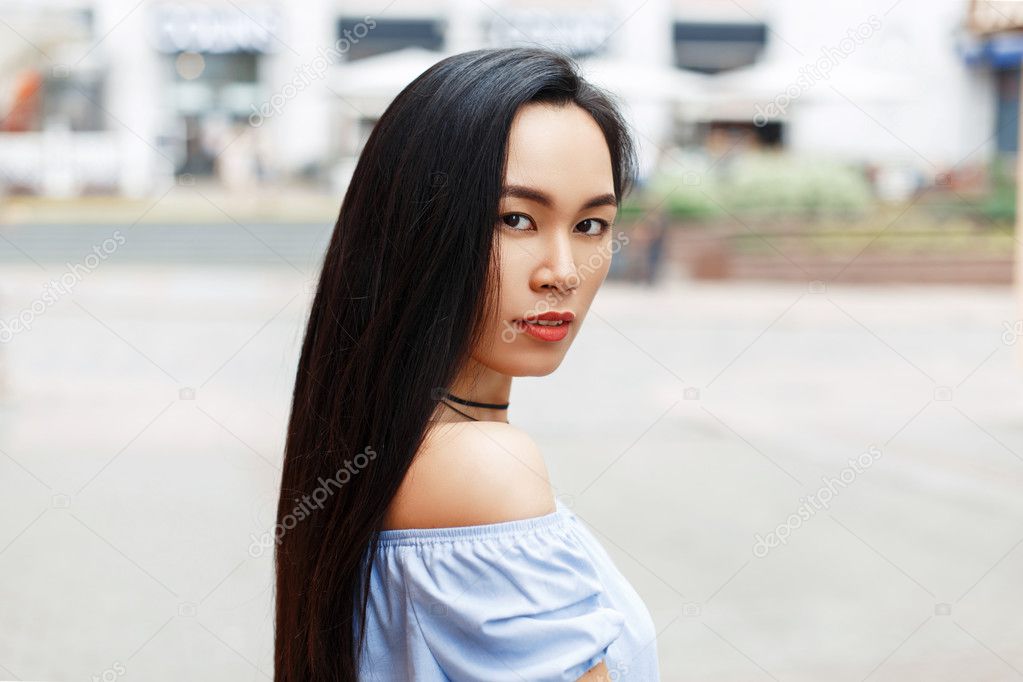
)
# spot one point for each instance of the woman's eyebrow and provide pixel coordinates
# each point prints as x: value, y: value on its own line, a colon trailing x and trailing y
x: 541, y: 197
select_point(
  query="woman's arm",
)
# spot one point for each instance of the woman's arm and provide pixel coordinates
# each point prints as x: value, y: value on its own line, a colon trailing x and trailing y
x: 597, y: 673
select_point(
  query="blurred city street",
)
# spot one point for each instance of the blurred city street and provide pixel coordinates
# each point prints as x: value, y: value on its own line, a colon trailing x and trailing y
x: 792, y: 415
x: 142, y: 424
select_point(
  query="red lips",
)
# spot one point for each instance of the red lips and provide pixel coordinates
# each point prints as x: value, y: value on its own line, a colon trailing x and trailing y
x: 547, y: 333
x: 552, y: 315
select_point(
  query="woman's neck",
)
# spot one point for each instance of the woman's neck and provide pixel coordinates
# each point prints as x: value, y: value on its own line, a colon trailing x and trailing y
x: 482, y: 385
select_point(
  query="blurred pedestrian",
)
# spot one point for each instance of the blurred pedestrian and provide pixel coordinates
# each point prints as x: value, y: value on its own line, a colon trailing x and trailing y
x: 653, y: 255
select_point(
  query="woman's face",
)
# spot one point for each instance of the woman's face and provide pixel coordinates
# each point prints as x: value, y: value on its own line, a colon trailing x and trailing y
x: 554, y: 237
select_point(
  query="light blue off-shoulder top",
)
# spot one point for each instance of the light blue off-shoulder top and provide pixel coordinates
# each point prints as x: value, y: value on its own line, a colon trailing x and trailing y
x: 535, y: 599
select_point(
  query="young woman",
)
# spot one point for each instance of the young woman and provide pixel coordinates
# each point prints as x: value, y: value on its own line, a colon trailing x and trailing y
x: 472, y: 239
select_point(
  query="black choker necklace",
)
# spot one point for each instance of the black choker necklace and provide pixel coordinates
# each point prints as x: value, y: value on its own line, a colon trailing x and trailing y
x: 471, y: 403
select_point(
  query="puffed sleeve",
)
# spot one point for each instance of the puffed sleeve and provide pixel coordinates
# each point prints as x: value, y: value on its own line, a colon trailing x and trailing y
x: 523, y: 605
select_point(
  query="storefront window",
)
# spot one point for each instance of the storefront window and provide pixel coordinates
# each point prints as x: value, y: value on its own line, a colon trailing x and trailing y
x: 713, y: 47
x: 212, y: 95
x: 389, y: 35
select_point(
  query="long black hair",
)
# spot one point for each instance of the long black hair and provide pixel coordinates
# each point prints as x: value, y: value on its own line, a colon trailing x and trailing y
x: 407, y: 283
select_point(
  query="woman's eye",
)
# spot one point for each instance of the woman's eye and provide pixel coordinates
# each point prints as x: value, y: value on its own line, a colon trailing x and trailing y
x: 596, y: 226
x: 516, y: 221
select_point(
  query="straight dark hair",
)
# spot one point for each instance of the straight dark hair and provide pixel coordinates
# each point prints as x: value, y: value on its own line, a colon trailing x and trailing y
x: 407, y: 283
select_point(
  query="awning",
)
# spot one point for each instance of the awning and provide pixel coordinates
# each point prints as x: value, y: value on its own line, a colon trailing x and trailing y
x: 1000, y: 51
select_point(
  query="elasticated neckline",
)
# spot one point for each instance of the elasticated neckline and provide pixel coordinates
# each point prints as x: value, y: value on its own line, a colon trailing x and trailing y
x: 416, y: 536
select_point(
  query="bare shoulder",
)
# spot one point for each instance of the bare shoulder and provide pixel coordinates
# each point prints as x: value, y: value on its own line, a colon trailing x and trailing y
x: 471, y: 473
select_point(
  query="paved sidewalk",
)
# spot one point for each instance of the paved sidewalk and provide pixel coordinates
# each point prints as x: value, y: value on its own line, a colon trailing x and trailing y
x: 143, y: 420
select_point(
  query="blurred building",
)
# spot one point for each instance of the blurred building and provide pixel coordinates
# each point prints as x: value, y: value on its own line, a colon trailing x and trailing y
x: 113, y: 95
x: 994, y: 48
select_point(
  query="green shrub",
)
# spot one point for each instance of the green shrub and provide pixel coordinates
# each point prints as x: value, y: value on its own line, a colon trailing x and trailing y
x: 1000, y: 204
x: 770, y: 184
x: 790, y: 185
x: 685, y: 195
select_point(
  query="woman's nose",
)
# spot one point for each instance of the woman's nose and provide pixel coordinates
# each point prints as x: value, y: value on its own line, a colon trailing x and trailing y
x: 558, y: 268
